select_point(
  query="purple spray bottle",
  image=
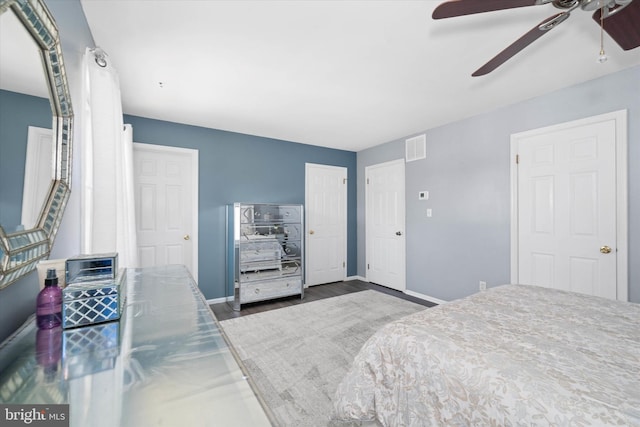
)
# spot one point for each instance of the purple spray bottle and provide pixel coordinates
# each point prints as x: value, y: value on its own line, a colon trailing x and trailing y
x: 49, y: 308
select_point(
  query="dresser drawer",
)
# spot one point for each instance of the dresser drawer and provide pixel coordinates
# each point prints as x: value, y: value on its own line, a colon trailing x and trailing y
x: 290, y: 214
x: 259, y: 291
x: 286, y: 268
x: 270, y: 213
x: 278, y: 230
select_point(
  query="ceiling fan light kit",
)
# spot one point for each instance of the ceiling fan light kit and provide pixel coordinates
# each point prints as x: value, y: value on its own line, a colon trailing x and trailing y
x: 619, y: 18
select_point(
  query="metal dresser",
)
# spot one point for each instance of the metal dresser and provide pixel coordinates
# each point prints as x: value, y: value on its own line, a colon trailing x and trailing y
x: 264, y: 252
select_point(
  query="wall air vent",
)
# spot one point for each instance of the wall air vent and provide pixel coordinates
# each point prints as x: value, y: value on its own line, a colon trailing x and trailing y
x: 416, y: 148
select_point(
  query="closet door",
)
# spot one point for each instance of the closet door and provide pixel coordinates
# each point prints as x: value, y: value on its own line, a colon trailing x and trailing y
x: 166, y: 186
x: 326, y: 224
x: 567, y: 208
x: 385, y: 224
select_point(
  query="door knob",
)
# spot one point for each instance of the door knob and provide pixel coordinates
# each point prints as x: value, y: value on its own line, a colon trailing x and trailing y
x: 311, y: 231
x: 398, y: 233
x: 186, y: 237
x: 605, y: 249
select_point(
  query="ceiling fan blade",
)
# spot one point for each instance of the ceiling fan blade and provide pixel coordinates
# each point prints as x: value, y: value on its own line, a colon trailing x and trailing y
x: 532, y: 35
x: 453, y: 8
x: 623, y: 26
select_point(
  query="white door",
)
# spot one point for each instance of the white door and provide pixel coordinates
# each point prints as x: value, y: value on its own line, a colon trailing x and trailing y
x: 326, y: 223
x: 166, y: 186
x: 567, y: 208
x: 385, y: 224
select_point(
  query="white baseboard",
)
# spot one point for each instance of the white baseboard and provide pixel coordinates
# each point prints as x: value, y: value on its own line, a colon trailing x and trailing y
x: 346, y: 279
x: 425, y: 297
x: 408, y: 292
x: 219, y: 300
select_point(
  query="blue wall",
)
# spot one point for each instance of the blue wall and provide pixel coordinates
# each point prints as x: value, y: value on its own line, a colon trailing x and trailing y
x: 466, y: 172
x: 17, y: 113
x: 243, y: 168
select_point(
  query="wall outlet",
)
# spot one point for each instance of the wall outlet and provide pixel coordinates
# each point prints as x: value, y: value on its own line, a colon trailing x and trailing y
x: 483, y: 286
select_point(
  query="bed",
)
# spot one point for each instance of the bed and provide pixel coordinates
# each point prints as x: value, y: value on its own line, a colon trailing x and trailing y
x: 514, y: 355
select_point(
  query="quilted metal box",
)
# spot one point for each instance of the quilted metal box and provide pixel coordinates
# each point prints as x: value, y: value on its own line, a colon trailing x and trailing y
x: 87, y: 303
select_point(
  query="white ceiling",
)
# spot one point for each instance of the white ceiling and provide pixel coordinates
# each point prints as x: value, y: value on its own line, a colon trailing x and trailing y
x: 335, y: 73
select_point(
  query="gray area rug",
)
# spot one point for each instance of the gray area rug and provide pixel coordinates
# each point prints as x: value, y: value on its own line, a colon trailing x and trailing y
x: 296, y: 356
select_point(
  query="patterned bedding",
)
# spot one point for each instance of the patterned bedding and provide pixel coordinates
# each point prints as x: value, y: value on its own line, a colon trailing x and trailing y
x: 514, y: 355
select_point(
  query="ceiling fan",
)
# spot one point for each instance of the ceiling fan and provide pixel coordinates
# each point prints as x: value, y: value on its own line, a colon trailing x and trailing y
x: 619, y: 18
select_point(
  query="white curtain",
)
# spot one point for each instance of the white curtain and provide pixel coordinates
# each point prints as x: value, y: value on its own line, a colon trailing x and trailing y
x: 107, y: 190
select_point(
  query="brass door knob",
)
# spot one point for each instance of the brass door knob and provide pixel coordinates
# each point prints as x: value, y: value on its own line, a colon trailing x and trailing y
x: 398, y: 233
x: 311, y: 231
x: 605, y: 249
x: 186, y: 237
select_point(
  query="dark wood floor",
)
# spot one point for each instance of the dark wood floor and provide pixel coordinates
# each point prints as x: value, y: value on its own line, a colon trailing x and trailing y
x: 223, y: 311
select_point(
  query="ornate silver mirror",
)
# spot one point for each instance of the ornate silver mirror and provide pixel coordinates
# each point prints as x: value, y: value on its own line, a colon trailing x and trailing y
x: 20, y: 250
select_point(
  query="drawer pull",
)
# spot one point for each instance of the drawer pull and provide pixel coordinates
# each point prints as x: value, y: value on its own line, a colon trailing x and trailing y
x: 257, y: 291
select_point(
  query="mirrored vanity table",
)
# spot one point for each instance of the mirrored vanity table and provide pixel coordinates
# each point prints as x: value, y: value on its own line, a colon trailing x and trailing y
x: 164, y: 363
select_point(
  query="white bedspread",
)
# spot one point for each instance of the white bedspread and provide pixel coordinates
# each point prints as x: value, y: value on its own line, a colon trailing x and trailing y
x: 511, y: 356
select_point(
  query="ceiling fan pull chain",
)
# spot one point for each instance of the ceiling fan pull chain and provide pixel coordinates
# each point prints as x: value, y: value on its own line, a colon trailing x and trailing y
x: 602, y: 58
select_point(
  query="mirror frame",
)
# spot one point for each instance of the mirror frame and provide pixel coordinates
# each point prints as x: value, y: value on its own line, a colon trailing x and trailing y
x: 21, y: 251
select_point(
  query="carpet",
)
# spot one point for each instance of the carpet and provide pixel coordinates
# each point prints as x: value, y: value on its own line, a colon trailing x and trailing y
x: 296, y: 356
